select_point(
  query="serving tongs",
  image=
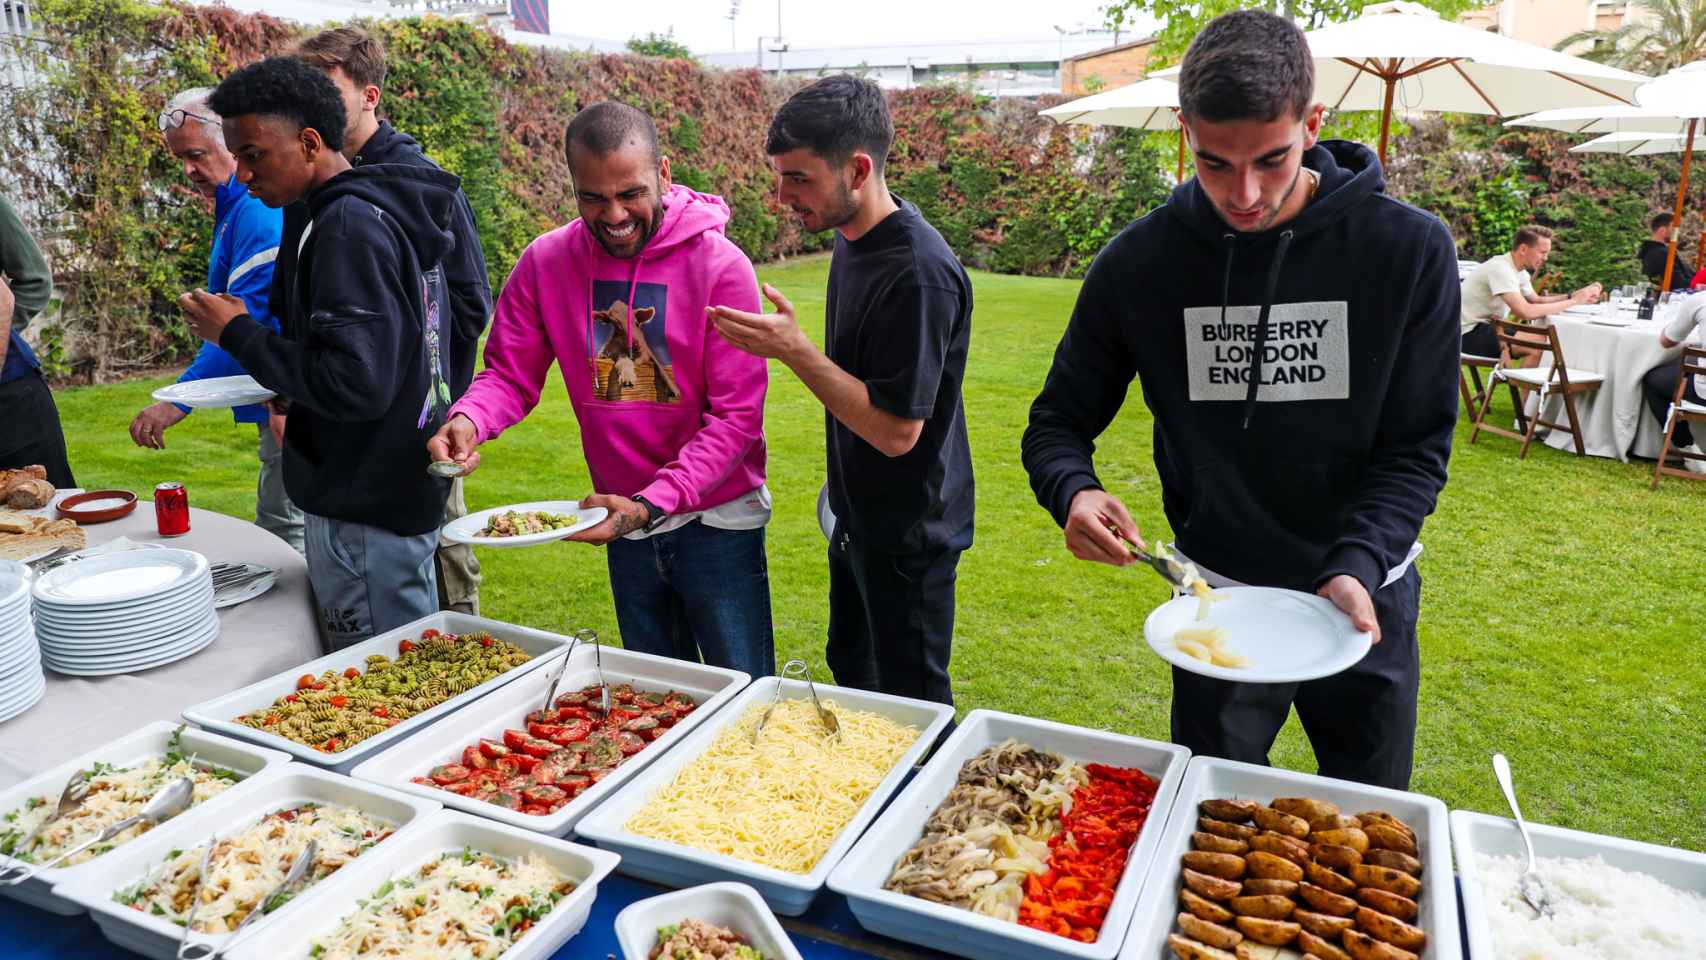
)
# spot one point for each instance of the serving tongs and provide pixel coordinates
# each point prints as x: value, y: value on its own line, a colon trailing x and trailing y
x: 797, y: 670
x: 597, y: 664
x: 1171, y: 570
x: 165, y: 805
x: 75, y: 792
x: 557, y: 675
x: 203, y: 950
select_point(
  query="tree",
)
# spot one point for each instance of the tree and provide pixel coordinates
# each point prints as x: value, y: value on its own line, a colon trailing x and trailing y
x: 1656, y: 36
x: 655, y: 44
x: 1183, y: 19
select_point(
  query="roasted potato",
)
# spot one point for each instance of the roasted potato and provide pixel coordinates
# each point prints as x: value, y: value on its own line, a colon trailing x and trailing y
x: 1251, y: 950
x: 1227, y: 866
x: 1387, y: 902
x: 1315, y: 946
x: 1355, y: 838
x: 1337, y: 821
x: 1385, y: 836
x: 1204, y: 908
x: 1210, y: 886
x: 1333, y: 855
x: 1304, y: 807
x: 1232, y: 811
x: 1187, y: 949
x: 1386, y: 878
x: 1395, y: 860
x: 1330, y: 880
x: 1263, y: 887
x: 1326, y: 901
x: 1322, y: 925
x: 1390, y: 929
x: 1270, y: 907
x: 1223, y: 828
x: 1212, y: 934
x: 1270, y: 819
x: 1281, y: 845
x: 1215, y: 843
x: 1266, y: 866
x: 1361, y: 946
x: 1381, y: 816
x: 1274, y: 933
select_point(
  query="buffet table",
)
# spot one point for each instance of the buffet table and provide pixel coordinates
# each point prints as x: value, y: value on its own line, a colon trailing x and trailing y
x: 257, y: 639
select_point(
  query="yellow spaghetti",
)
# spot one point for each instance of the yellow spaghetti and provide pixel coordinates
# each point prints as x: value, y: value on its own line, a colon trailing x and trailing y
x: 782, y: 802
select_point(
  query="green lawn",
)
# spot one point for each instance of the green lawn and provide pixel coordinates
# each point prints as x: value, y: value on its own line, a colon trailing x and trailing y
x: 1561, y: 622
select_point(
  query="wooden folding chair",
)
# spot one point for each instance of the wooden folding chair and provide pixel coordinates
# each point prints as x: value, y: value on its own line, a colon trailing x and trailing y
x: 1558, y: 380
x: 1469, y: 368
x: 1693, y: 364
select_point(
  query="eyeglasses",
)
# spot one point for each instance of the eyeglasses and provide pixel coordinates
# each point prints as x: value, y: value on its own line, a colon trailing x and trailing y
x: 173, y: 119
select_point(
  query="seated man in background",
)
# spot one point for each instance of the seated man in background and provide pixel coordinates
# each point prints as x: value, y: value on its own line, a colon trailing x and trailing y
x: 29, y: 422
x: 1656, y: 248
x: 1503, y: 286
x: 1659, y: 385
x: 245, y: 244
x: 362, y: 358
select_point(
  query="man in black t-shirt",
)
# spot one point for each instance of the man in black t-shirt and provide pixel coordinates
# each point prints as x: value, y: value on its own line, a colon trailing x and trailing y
x: 1655, y: 249
x: 897, y: 324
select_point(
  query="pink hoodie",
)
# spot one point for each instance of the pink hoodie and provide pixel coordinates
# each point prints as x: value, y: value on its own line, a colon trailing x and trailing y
x: 675, y: 413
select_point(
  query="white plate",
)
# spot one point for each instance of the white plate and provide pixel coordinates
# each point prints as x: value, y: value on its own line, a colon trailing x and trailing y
x: 467, y: 529
x: 865, y: 869
x: 127, y: 750
x: 25, y: 697
x: 732, y: 906
x: 126, y: 619
x: 507, y: 708
x: 231, y: 596
x: 17, y: 709
x: 1473, y: 834
x: 116, y: 578
x: 189, y: 592
x: 443, y: 832
x: 220, y: 713
x: 215, y: 393
x: 140, y: 627
x: 141, y: 662
x: 125, y: 648
x: 1287, y: 635
x: 678, y: 865
x: 1212, y: 778
x: 14, y: 590
x: 287, y: 785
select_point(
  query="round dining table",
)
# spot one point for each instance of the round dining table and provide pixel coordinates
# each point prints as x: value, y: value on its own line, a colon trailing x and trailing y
x: 257, y: 638
x: 1612, y: 343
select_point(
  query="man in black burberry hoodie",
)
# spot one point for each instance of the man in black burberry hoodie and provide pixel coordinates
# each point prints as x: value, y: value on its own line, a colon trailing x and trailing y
x: 1293, y: 331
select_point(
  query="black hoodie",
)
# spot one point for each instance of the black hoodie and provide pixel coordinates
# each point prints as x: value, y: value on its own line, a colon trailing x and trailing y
x: 464, y: 268
x: 1332, y: 466
x: 360, y: 359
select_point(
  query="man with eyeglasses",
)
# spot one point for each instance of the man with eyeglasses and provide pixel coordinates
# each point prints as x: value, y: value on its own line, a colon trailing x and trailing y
x: 245, y: 244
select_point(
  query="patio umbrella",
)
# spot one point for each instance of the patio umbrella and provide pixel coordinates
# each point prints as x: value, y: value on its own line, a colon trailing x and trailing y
x: 1631, y: 143
x: 1151, y: 104
x: 1402, y: 55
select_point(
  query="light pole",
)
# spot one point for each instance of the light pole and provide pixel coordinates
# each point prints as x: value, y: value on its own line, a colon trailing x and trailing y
x: 734, y: 11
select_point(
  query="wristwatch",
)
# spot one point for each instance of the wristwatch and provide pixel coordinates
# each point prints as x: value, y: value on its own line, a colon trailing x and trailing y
x: 654, y: 516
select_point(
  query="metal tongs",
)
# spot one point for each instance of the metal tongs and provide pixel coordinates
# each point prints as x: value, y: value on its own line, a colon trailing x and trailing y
x: 1171, y: 570
x: 168, y: 803
x: 557, y: 676
x: 207, y: 951
x: 797, y: 670
x: 597, y: 664
x: 75, y: 792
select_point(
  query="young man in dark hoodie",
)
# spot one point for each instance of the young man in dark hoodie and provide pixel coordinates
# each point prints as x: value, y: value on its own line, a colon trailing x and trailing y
x: 354, y: 60
x: 361, y: 362
x: 1294, y: 333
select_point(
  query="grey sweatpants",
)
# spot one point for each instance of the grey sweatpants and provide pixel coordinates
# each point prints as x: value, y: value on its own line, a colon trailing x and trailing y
x: 274, y: 511
x: 458, y: 570
x: 366, y: 579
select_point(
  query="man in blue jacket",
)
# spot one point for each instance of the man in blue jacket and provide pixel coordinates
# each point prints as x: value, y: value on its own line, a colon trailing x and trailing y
x: 1294, y: 332
x: 245, y: 244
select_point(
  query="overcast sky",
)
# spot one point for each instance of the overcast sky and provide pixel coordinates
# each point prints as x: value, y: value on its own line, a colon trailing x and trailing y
x: 704, y: 26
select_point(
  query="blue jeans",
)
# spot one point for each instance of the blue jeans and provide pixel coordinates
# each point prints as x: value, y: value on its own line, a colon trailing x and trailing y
x: 695, y: 592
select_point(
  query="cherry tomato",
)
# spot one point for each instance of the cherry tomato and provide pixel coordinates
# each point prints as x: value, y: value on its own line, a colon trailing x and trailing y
x: 494, y: 749
x: 290, y: 698
x: 543, y: 794
x: 463, y: 788
x: 509, y: 765
x: 332, y: 745
x: 405, y: 646
x: 485, y: 641
x: 539, y: 748
x: 305, y: 681
x: 430, y: 634
x: 574, y: 731
x: 506, y: 799
x: 271, y: 719
x: 535, y: 810
x: 446, y: 773
x: 423, y: 781
x: 631, y: 743
x: 381, y: 713
x: 352, y: 673
x: 473, y: 759
x: 340, y: 701
x: 513, y: 739
x: 574, y: 783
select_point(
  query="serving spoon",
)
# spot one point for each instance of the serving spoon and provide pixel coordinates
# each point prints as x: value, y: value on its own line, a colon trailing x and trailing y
x: 165, y: 805
x: 1529, y: 883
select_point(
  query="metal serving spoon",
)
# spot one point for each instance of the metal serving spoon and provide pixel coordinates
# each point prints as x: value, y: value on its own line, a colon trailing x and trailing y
x: 1529, y: 883
x: 165, y: 805
x: 75, y: 792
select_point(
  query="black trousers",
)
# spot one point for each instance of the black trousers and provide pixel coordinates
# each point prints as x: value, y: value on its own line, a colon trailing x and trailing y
x: 891, y: 619
x: 30, y: 431
x: 1361, y: 722
x: 1659, y: 387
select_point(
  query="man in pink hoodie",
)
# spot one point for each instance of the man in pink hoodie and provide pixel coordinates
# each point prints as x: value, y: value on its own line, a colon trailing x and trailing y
x: 671, y: 416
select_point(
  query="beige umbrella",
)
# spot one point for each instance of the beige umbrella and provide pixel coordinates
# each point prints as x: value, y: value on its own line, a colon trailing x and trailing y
x: 1151, y: 104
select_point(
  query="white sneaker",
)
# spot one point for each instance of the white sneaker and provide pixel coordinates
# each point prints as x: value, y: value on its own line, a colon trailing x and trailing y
x: 1692, y: 465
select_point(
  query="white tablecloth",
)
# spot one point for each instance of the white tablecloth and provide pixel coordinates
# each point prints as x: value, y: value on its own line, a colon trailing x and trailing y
x: 1615, y: 420
x: 257, y: 639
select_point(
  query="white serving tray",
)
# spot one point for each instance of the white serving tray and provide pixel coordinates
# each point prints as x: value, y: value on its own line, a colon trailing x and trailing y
x: 864, y: 870
x: 1476, y: 833
x: 789, y: 894
x: 442, y: 832
x: 219, y: 713
x: 283, y: 787
x: 733, y: 906
x: 131, y: 749
x: 1211, y: 777
x: 504, y: 709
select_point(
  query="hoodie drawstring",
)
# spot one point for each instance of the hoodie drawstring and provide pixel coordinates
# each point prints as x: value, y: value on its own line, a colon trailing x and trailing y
x: 1261, y: 321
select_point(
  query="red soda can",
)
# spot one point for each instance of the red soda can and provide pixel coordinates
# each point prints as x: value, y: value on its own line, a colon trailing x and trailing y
x: 172, y: 509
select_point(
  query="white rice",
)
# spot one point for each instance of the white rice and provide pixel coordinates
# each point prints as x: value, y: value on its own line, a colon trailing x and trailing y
x: 1601, y: 913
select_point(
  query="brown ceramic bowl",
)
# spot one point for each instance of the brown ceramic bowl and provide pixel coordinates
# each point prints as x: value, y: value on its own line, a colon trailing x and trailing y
x: 71, y: 508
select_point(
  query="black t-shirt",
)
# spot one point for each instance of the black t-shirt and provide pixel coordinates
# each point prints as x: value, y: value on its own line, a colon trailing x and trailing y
x: 898, y: 317
x: 1652, y: 256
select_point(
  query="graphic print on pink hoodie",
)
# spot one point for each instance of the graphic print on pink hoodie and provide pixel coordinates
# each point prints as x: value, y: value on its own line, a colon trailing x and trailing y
x: 667, y: 408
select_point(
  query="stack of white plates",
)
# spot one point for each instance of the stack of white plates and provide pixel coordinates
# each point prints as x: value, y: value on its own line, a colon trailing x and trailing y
x: 21, y: 680
x: 125, y: 612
